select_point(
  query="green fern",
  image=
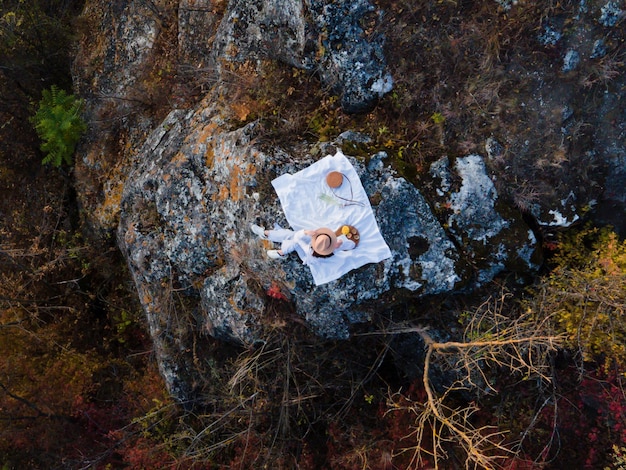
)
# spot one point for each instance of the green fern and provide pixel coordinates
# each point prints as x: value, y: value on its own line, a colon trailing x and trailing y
x: 58, y: 125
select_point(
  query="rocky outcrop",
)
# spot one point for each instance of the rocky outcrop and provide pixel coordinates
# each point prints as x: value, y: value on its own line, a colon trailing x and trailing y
x: 351, y: 57
x: 424, y: 259
x: 493, y: 237
x: 588, y: 166
x: 197, y: 186
x: 185, y: 188
x: 125, y: 69
x: 255, y: 29
x: 338, y: 40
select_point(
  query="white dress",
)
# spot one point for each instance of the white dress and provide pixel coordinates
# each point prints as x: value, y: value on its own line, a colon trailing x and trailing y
x: 301, y: 243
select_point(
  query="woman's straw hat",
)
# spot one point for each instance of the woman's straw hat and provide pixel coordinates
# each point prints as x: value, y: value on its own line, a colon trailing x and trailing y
x: 324, y: 242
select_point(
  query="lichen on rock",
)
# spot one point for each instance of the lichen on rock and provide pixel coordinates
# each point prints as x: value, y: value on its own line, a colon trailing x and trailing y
x: 352, y: 59
x: 488, y: 240
x: 186, y: 209
x: 254, y: 29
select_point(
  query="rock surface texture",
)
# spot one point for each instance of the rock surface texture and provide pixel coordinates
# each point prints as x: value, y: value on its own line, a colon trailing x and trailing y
x: 186, y: 211
x: 188, y: 183
x: 352, y: 58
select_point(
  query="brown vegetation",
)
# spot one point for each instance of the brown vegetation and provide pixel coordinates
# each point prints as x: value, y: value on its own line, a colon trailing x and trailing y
x: 501, y: 390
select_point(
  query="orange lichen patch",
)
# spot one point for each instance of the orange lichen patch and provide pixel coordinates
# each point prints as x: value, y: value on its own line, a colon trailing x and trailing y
x: 233, y: 188
x: 131, y: 234
x: 251, y: 169
x: 204, y: 135
x: 209, y: 155
x: 147, y: 298
x: 255, y: 154
x: 222, y: 194
x: 236, y: 191
x: 241, y: 110
x: 108, y: 211
x: 179, y: 158
x: 224, y: 152
x: 233, y: 304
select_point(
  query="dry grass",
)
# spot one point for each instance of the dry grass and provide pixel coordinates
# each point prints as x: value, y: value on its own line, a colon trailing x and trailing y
x: 264, y: 402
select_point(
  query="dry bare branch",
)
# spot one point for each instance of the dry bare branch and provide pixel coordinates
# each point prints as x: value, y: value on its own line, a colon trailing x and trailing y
x: 519, y: 344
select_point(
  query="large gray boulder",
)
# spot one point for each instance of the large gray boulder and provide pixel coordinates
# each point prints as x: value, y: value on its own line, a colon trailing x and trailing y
x: 351, y: 60
x: 123, y: 73
x: 182, y: 191
x: 255, y: 29
x: 186, y: 207
x: 492, y: 236
x: 325, y: 37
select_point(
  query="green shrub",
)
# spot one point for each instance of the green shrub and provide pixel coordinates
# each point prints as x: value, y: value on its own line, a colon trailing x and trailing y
x: 59, y: 125
x: 586, y: 292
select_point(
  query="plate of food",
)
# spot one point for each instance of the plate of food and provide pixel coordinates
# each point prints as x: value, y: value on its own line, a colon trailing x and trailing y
x: 351, y: 233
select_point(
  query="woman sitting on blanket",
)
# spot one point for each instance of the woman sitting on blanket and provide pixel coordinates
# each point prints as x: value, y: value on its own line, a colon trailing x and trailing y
x: 310, y: 244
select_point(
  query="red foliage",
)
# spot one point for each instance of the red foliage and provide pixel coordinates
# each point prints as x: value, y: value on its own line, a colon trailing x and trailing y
x: 551, y: 245
x: 142, y: 454
x: 400, y: 427
x: 306, y: 460
x: 275, y: 292
x: 246, y: 451
x: 591, y: 419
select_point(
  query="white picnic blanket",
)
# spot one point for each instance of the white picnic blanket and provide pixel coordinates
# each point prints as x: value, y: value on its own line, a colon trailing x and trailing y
x: 309, y: 203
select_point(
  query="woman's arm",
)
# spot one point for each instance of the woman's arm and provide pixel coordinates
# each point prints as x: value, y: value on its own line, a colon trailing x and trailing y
x: 345, y: 244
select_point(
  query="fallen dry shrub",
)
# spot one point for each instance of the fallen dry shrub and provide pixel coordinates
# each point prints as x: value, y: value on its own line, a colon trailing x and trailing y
x: 492, y: 340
